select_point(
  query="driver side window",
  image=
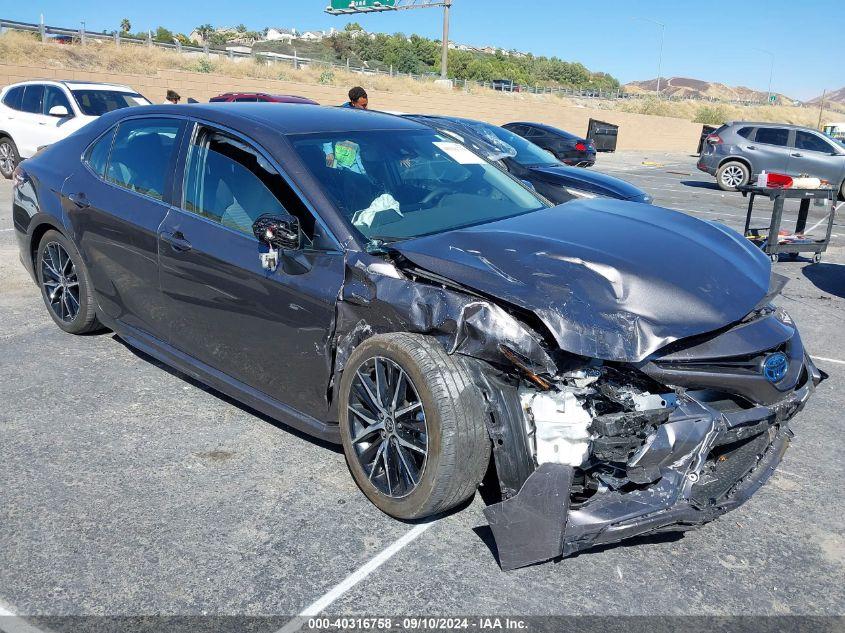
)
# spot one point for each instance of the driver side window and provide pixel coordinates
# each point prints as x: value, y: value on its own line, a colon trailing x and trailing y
x: 231, y: 183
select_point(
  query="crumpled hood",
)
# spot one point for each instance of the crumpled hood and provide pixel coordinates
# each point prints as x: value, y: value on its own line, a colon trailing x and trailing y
x: 610, y: 279
x: 590, y: 180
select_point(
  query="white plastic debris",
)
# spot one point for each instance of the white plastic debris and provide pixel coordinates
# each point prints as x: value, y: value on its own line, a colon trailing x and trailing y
x: 561, y: 426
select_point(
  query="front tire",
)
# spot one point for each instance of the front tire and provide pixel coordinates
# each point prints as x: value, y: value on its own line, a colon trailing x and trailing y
x: 731, y: 175
x: 9, y: 157
x: 65, y: 284
x: 412, y: 424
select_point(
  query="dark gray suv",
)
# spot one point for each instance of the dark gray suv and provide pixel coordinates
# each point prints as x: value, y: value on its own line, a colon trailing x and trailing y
x: 738, y: 151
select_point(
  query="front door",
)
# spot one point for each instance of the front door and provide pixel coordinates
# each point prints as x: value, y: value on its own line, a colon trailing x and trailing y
x: 815, y: 156
x: 268, y: 329
x: 115, y: 204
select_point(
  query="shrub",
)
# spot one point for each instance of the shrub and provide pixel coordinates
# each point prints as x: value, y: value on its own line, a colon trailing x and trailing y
x: 711, y: 115
x: 204, y: 65
x: 326, y: 77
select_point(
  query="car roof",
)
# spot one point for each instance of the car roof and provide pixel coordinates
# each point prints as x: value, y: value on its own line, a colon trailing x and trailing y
x: 770, y: 124
x: 543, y: 126
x: 294, y: 118
x: 74, y: 84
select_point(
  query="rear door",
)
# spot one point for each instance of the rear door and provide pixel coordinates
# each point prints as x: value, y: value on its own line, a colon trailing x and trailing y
x: 115, y: 205
x: 769, y: 150
x: 29, y: 123
x: 812, y: 154
x: 267, y: 329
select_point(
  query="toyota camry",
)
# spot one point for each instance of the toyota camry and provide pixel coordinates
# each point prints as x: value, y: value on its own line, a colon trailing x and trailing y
x: 615, y: 368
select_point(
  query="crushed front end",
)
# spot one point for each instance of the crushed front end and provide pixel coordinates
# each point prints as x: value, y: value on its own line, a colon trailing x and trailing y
x: 668, y: 443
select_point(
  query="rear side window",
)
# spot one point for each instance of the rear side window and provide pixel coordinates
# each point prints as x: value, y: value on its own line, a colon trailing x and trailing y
x: 772, y: 136
x: 246, y: 99
x: 141, y: 155
x: 744, y: 132
x: 97, y: 156
x: 811, y: 142
x: 231, y: 183
x: 13, y: 98
x: 32, y: 95
x: 54, y: 97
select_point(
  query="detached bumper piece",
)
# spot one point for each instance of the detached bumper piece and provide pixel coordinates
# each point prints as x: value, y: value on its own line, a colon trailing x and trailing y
x: 699, y: 464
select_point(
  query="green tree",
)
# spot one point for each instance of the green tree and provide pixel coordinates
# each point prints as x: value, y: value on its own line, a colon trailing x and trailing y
x: 163, y: 35
x: 125, y: 26
x: 240, y: 28
x: 353, y: 26
x: 204, y: 30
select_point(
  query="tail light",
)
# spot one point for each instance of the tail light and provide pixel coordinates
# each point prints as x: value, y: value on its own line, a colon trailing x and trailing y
x: 714, y: 139
x: 581, y: 146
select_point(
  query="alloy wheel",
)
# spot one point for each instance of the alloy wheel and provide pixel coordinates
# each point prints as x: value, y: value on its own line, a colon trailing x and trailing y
x: 60, y: 282
x: 388, y: 427
x: 733, y: 176
x: 7, y: 158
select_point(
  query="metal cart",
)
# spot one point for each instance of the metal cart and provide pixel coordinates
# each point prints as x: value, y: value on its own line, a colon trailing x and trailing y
x: 763, y: 236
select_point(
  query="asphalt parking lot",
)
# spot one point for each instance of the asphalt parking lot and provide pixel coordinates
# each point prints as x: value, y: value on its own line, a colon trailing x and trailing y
x: 128, y: 489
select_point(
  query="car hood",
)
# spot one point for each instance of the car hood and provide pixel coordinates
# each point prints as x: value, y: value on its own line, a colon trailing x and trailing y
x: 593, y: 181
x: 610, y: 279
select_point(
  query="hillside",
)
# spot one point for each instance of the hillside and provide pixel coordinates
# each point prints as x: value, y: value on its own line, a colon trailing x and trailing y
x: 837, y: 96
x: 688, y: 88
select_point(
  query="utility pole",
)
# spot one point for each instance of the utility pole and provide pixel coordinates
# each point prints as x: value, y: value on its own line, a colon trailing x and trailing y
x: 444, y: 55
x: 660, y: 52
x: 821, y: 108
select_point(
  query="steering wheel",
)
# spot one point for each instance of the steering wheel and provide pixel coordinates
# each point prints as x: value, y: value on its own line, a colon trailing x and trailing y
x: 434, y: 195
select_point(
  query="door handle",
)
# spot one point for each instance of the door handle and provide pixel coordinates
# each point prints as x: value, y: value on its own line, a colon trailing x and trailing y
x: 797, y: 155
x: 79, y: 200
x: 177, y: 241
x: 751, y: 147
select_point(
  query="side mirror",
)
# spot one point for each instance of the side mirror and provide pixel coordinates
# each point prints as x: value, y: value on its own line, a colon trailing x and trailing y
x: 277, y: 231
x: 59, y: 111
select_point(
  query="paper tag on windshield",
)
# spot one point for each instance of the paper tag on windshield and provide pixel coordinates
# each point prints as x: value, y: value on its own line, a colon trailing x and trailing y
x: 140, y: 101
x: 459, y: 153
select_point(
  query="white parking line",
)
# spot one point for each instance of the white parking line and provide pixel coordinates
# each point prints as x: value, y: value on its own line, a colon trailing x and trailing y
x: 11, y: 622
x: 6, y: 230
x: 829, y: 360
x: 316, y: 607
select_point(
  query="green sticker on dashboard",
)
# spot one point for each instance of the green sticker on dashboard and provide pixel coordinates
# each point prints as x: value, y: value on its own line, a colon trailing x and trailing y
x: 345, y: 153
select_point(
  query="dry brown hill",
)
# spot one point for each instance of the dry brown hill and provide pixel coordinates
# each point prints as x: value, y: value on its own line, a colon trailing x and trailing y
x: 688, y: 88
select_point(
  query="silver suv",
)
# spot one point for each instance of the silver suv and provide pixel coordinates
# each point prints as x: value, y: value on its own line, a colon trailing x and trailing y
x: 738, y: 151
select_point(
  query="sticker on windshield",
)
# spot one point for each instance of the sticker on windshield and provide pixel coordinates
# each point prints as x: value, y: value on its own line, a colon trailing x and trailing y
x: 345, y: 153
x: 459, y: 153
x: 140, y: 101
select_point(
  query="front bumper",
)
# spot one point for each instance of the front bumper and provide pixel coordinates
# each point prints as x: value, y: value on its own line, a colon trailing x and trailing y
x: 706, y: 462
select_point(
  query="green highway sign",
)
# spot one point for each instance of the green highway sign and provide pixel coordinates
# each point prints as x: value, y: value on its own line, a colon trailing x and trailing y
x: 360, y: 6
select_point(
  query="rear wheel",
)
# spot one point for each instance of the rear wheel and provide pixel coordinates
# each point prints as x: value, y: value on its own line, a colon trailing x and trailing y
x: 842, y: 191
x: 412, y: 425
x: 65, y: 285
x: 731, y: 175
x: 9, y: 157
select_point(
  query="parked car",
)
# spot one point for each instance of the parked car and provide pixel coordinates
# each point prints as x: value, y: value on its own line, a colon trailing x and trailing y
x: 530, y: 163
x: 247, y: 97
x: 738, y: 151
x: 624, y: 368
x: 37, y: 113
x: 568, y: 148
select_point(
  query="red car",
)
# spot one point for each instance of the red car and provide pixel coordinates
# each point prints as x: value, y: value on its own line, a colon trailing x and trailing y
x: 260, y: 96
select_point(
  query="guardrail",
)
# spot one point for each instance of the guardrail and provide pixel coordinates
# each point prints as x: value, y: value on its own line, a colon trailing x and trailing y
x: 82, y: 36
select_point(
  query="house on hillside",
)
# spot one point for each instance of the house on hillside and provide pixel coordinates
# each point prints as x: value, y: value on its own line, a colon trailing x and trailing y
x: 277, y: 34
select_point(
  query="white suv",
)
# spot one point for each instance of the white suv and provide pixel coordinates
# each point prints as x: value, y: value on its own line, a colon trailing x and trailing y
x: 38, y: 113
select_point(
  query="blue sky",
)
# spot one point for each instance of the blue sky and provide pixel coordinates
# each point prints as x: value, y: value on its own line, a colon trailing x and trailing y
x: 713, y: 40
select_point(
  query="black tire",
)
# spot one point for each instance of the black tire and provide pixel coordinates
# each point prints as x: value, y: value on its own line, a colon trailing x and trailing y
x: 842, y: 191
x: 453, y: 413
x: 85, y: 318
x: 9, y: 157
x: 732, y: 174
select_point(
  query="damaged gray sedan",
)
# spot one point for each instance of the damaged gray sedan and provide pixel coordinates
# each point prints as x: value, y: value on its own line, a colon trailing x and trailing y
x: 618, y: 368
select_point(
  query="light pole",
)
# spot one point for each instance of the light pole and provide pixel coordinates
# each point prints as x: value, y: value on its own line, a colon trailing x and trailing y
x: 771, y: 71
x: 660, y: 54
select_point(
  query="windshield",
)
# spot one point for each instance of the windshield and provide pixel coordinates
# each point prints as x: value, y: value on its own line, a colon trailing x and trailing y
x: 526, y: 153
x: 98, y: 102
x: 395, y: 185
